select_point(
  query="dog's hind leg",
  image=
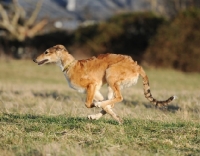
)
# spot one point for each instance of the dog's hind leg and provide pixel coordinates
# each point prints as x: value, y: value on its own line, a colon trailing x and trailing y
x: 110, y: 93
x: 108, y: 104
x: 109, y: 110
x: 115, y: 87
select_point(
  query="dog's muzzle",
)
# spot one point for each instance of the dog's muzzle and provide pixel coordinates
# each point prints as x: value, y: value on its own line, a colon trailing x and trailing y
x: 34, y: 60
x: 41, y: 62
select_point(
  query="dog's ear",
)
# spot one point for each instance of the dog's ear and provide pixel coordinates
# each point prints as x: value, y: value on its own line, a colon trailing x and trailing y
x: 60, y: 47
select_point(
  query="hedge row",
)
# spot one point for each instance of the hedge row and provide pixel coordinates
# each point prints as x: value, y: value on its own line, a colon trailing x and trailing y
x: 148, y: 38
x: 177, y: 44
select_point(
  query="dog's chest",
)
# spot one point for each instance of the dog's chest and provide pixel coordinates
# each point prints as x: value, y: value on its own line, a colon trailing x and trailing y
x: 75, y: 86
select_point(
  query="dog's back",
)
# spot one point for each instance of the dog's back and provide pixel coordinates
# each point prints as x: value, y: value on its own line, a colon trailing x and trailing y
x: 95, y: 67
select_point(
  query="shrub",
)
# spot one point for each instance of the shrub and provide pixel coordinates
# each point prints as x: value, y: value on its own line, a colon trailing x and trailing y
x: 176, y: 44
x: 125, y: 33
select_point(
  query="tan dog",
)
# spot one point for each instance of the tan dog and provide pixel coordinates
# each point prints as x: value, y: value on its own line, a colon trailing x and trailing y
x: 118, y: 71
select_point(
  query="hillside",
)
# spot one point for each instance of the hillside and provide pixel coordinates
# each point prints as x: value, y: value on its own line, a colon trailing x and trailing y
x: 98, y: 10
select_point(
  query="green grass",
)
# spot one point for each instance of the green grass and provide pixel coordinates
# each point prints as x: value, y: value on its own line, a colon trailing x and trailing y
x: 27, y: 134
x: 41, y: 116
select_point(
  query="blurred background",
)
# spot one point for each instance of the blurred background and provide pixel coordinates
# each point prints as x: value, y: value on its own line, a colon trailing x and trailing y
x: 159, y: 33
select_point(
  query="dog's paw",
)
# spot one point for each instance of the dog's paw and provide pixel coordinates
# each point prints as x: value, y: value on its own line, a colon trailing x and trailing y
x: 120, y: 120
x: 97, y: 104
x: 92, y: 117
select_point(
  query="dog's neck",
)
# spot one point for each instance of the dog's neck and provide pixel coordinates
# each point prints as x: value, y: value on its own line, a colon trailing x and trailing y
x: 66, y: 61
x: 67, y: 67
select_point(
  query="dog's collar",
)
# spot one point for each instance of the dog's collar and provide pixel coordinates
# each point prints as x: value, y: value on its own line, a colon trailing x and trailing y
x: 66, y: 68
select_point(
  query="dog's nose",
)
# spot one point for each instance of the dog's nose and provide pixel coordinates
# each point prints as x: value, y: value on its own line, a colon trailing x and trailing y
x: 34, y: 60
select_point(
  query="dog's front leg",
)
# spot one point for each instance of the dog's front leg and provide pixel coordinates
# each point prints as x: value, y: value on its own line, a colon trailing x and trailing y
x: 97, y: 97
x: 90, y: 95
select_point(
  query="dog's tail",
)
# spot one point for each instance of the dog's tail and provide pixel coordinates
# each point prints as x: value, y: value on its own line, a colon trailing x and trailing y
x: 147, y: 91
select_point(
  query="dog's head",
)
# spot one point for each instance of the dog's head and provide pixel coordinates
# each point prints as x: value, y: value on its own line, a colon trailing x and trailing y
x: 51, y: 55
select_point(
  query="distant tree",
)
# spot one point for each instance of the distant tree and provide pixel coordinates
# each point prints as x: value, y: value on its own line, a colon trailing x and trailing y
x: 171, y: 7
x: 127, y: 33
x: 176, y: 44
x: 16, y: 26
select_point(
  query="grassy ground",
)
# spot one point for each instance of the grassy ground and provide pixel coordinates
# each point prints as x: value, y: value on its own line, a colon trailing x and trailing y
x: 41, y: 116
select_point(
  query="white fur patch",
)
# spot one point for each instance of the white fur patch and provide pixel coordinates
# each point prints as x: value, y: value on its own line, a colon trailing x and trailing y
x: 95, y: 116
x: 175, y: 97
x: 97, y: 104
x: 129, y: 82
x: 60, y: 65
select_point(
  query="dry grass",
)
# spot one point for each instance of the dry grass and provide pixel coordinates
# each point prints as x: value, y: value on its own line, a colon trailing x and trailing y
x: 40, y: 115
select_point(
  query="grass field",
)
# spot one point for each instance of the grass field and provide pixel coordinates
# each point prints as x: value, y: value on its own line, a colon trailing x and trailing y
x: 41, y: 116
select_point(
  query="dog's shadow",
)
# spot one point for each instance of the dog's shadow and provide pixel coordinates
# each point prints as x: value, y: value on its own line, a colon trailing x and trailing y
x: 53, y: 94
x: 170, y: 108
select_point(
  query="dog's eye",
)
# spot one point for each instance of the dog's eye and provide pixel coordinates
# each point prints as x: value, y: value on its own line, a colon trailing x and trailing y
x: 46, y: 52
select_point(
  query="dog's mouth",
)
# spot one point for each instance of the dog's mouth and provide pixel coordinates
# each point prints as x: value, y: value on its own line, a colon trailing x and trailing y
x: 42, y: 62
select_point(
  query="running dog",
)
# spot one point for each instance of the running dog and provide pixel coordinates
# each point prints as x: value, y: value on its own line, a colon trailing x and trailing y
x: 87, y: 76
